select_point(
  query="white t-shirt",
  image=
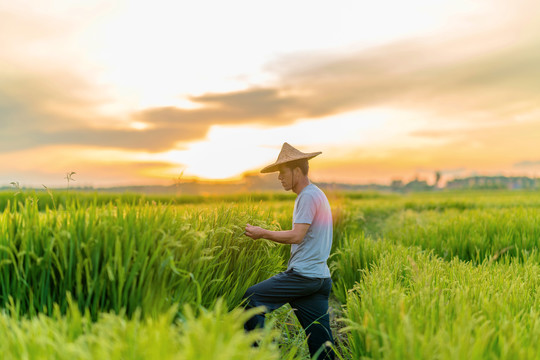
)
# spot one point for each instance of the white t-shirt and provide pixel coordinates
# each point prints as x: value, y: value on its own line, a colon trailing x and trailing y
x: 309, y: 257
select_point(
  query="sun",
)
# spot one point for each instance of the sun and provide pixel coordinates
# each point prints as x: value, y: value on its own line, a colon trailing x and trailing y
x: 218, y: 158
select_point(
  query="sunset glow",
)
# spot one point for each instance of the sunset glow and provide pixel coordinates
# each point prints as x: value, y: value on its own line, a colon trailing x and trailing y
x: 138, y: 92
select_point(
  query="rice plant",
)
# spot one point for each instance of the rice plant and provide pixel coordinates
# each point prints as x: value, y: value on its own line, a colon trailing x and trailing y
x: 413, y: 305
x: 471, y: 235
x: 127, y: 257
x: 440, y: 275
x: 209, y: 335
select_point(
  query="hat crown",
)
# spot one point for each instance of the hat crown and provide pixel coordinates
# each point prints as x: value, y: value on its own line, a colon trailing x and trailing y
x: 287, y: 154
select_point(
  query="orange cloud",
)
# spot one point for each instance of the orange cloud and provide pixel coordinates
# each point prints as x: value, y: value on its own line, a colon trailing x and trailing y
x: 479, y: 95
x: 482, y: 84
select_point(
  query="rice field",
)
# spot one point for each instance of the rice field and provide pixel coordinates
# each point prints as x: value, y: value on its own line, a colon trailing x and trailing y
x: 446, y: 275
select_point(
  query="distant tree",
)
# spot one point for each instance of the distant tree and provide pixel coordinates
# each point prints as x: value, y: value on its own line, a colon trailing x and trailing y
x: 397, y: 185
x: 417, y: 185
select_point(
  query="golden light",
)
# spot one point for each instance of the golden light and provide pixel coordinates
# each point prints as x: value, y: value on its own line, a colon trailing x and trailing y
x: 159, y: 63
x: 133, y: 56
x: 137, y: 125
x: 229, y: 151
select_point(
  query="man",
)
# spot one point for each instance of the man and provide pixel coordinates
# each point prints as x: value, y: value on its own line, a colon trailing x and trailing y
x: 306, y: 283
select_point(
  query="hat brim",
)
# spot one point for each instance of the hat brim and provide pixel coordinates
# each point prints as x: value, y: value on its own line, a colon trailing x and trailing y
x: 275, y: 166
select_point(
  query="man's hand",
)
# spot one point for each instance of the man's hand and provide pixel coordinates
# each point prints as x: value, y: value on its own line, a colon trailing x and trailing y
x: 254, y: 232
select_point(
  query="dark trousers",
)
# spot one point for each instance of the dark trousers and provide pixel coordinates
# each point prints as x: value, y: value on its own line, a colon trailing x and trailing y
x: 307, y: 296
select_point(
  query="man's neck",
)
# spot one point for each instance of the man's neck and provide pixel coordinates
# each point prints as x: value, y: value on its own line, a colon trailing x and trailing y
x: 301, y: 184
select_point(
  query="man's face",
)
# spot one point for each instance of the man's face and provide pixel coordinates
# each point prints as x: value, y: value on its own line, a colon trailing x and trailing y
x: 286, y: 178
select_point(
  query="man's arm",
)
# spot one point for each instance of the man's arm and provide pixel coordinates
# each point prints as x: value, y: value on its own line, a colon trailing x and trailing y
x: 294, y: 236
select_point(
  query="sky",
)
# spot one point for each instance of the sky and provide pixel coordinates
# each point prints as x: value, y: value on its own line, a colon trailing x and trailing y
x: 139, y: 92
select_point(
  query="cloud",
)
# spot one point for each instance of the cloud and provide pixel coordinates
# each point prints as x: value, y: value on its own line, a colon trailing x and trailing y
x: 36, y: 108
x: 34, y: 114
x: 445, y: 78
x: 262, y: 105
x: 485, y: 79
x: 36, y: 118
x: 472, y: 84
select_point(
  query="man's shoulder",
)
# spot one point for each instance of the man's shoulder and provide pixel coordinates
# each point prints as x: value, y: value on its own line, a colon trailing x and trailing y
x: 314, y: 190
x: 313, y: 193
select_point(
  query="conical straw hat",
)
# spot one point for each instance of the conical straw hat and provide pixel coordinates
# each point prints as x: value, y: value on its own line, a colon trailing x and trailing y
x: 288, y: 154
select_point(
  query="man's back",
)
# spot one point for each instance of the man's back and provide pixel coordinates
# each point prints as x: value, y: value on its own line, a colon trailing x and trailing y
x: 309, y: 257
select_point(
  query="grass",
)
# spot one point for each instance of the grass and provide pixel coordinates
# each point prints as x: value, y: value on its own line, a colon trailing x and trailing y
x: 433, y: 275
x: 471, y: 234
x: 49, y: 199
x: 124, y: 257
x: 414, y: 305
x: 205, y: 335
